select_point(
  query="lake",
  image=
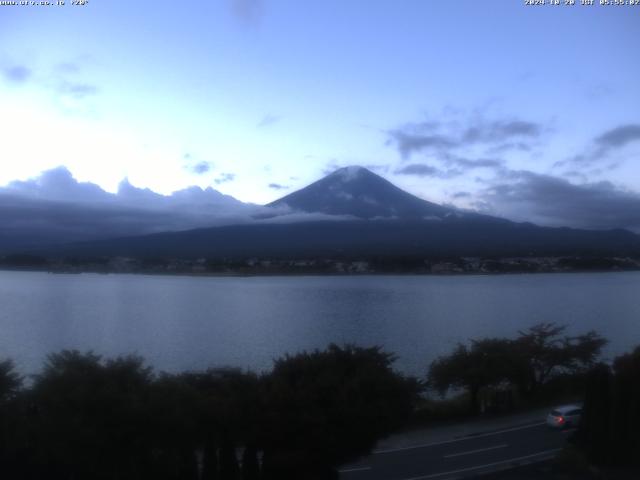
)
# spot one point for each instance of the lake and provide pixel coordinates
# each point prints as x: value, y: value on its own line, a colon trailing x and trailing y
x: 180, y: 323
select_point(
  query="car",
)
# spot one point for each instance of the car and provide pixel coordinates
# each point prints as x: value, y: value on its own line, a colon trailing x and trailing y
x: 565, y: 416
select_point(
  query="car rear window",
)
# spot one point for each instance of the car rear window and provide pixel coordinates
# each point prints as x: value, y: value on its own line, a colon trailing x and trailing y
x: 556, y: 413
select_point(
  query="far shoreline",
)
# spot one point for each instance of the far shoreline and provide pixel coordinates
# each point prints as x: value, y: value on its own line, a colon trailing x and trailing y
x: 316, y: 274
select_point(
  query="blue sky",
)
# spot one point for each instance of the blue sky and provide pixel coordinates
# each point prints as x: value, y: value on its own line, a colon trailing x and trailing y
x: 485, y: 105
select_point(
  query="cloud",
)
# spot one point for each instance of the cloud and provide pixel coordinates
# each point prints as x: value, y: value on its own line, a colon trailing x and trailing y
x: 604, y: 146
x: 599, y: 91
x: 461, y: 195
x: 464, y: 131
x: 277, y: 186
x: 195, y: 166
x: 248, y: 12
x: 224, y: 178
x: 419, y: 170
x: 466, y: 164
x: 77, y: 91
x: 68, y: 68
x: 619, y: 137
x: 57, y: 184
x: 503, y: 147
x: 201, y: 168
x: 456, y: 166
x: 55, y: 207
x: 409, y: 141
x: 553, y: 201
x: 291, y: 216
x: 268, y: 120
x: 498, y: 131
x: 17, y: 74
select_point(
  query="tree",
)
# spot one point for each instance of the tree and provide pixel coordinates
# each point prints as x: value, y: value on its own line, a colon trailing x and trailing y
x: 625, y: 421
x: 527, y: 362
x: 10, y: 386
x: 230, y: 415
x: 611, y: 419
x: 328, y: 407
x: 486, y: 362
x: 596, y: 416
x: 544, y: 352
x: 10, y: 381
x: 89, y: 416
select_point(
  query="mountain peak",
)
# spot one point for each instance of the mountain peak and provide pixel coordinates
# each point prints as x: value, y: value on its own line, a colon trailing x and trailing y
x: 358, y: 192
x: 350, y: 173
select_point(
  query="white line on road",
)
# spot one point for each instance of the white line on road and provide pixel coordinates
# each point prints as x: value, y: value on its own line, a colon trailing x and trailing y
x: 480, y: 467
x: 475, y: 451
x: 468, y: 437
x: 355, y: 469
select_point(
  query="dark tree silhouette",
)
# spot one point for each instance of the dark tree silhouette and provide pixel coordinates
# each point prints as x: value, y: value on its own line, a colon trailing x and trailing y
x: 328, y: 407
x: 611, y: 419
x: 89, y: 418
x: 528, y: 362
x: 114, y: 419
x: 544, y: 352
x: 486, y: 362
x: 596, y: 416
x: 10, y: 387
x: 10, y: 381
x: 229, y: 412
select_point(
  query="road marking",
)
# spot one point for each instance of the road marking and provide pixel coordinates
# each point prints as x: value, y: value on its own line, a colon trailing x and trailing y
x: 468, y: 437
x: 355, y: 469
x: 475, y: 451
x: 486, y: 465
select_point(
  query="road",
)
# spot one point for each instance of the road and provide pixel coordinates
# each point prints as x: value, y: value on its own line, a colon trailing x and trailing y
x: 461, y: 457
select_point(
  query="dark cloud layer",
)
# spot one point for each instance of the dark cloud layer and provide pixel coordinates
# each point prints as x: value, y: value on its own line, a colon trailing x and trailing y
x: 476, y: 130
x: 409, y: 141
x: 603, y: 148
x: 465, y: 164
x: 456, y: 166
x: 500, y: 131
x: 55, y: 207
x: 549, y: 200
x: 620, y: 136
x: 419, y: 170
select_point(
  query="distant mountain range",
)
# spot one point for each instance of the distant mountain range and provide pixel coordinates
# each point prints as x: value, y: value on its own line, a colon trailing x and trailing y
x: 361, y: 214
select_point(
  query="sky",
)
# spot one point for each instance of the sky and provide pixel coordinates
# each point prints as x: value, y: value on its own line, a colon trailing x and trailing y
x: 526, y: 112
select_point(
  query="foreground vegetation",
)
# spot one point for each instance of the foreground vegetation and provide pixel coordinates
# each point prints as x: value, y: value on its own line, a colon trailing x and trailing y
x: 88, y: 418
x: 84, y: 416
x: 498, y: 373
x: 611, y: 420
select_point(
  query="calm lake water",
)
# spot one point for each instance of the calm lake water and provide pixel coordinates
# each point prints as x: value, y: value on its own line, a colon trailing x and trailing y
x: 180, y: 323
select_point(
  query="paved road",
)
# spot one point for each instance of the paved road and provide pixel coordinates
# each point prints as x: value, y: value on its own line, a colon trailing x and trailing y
x: 460, y: 457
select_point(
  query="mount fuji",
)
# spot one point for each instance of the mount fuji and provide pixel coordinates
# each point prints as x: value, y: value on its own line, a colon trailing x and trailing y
x: 359, y: 192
